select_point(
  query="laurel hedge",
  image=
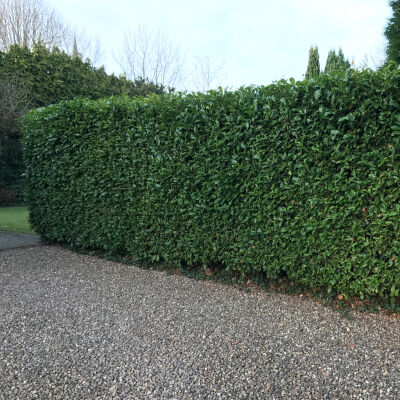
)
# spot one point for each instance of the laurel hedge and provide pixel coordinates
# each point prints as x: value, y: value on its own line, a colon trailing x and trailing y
x: 295, y: 179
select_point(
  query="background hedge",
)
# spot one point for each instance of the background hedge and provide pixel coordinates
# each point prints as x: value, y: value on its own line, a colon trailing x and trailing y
x: 51, y: 75
x: 296, y: 179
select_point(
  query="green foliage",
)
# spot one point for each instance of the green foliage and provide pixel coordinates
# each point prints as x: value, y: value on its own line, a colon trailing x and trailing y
x: 313, y: 68
x: 296, y: 179
x: 336, y: 63
x: 392, y: 33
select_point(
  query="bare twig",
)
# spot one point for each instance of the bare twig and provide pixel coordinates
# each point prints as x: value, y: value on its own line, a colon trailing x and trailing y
x: 152, y: 57
x: 205, y: 74
x: 25, y: 22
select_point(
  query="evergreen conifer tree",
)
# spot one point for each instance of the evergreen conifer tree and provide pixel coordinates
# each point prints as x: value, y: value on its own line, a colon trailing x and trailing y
x: 330, y: 62
x: 392, y: 33
x: 313, y: 68
x: 75, y: 49
x: 336, y: 62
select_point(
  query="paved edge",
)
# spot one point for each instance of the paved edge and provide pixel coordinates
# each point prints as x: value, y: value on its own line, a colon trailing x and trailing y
x: 13, y: 240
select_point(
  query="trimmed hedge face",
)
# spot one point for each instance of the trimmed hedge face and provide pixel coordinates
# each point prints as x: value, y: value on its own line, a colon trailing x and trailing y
x: 296, y: 178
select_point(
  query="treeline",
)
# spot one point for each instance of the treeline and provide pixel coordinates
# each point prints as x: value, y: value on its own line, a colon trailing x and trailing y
x: 336, y: 63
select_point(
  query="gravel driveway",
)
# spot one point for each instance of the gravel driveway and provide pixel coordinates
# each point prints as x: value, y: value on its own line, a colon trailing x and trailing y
x: 79, y: 327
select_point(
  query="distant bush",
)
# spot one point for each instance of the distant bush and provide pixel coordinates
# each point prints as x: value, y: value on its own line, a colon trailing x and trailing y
x: 11, y: 167
x: 7, y: 198
x: 296, y: 179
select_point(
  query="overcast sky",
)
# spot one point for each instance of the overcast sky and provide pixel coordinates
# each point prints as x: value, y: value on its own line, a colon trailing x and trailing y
x: 256, y: 41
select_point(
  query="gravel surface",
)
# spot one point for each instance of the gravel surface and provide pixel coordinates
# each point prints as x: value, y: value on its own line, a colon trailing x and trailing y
x: 10, y: 240
x: 78, y: 327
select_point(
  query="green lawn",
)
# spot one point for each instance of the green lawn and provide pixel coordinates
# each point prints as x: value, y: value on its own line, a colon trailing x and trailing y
x: 15, y: 219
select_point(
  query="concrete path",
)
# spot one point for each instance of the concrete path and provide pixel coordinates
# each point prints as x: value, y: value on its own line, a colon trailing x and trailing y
x: 11, y: 240
x: 75, y: 327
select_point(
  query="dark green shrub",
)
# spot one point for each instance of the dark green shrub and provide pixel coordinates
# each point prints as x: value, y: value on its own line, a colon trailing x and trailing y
x: 296, y: 179
x: 11, y: 166
x: 7, y: 198
x: 13, y: 103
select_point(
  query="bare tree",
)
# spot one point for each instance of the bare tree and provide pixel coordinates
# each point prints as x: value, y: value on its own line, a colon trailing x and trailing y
x: 14, y: 102
x: 151, y: 57
x: 375, y: 59
x: 24, y: 22
x: 205, y: 73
